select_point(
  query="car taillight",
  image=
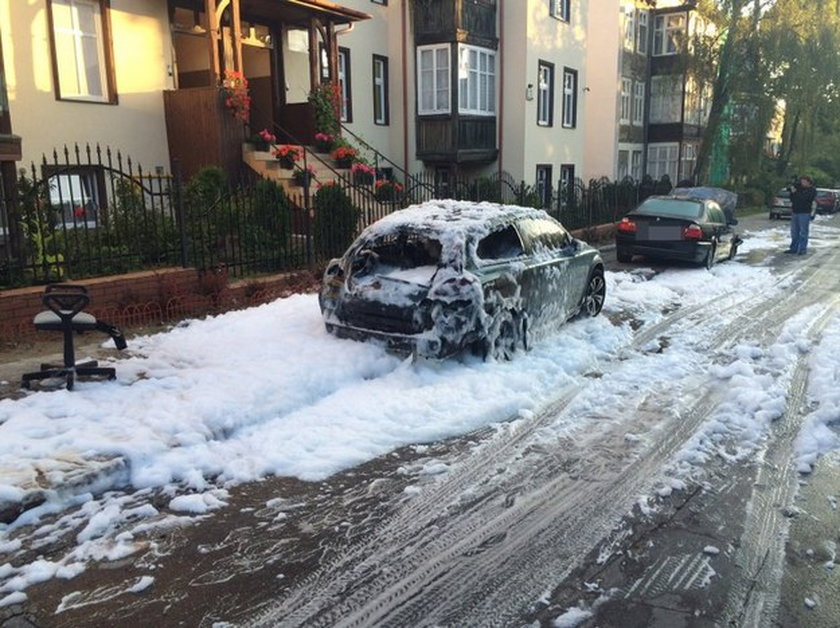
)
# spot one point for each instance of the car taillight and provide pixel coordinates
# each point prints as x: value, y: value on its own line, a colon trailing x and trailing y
x: 627, y: 226
x: 692, y: 232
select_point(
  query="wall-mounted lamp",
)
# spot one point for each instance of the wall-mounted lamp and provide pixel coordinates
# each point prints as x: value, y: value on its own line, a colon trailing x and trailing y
x: 529, y: 92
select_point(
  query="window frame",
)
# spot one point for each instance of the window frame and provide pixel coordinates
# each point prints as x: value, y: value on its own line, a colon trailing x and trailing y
x: 662, y: 34
x: 104, y: 47
x: 638, y: 109
x: 629, y: 27
x: 669, y: 160
x: 642, y: 31
x: 436, y: 89
x: 86, y: 180
x: 560, y: 10
x: 485, y: 78
x: 543, y: 178
x: 625, y: 111
x: 545, y: 97
x: 666, y: 104
x: 570, y: 98
x: 380, y: 90
x: 566, y: 183
x: 345, y: 84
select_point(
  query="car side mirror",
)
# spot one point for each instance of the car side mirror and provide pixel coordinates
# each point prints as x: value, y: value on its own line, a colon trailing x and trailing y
x: 733, y: 221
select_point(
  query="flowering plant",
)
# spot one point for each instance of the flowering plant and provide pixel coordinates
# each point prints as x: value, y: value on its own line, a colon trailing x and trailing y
x: 302, y: 176
x: 235, y: 87
x: 263, y: 140
x: 387, y: 190
x: 362, y: 173
x: 324, y: 142
x: 287, y: 155
x: 345, y: 155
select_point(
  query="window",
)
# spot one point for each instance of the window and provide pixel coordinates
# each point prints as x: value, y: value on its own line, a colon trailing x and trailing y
x: 642, y: 32
x: 561, y: 9
x: 344, y: 84
x: 567, y: 184
x: 433, y: 77
x: 638, y: 103
x: 665, y: 99
x: 667, y: 30
x: 545, y: 94
x: 570, y: 78
x: 502, y: 244
x: 75, y: 194
x: 636, y: 165
x: 623, y: 164
x: 544, y: 184
x: 626, y: 88
x: 81, y: 50
x: 476, y: 80
x: 382, y: 2
x: 689, y: 159
x: 544, y: 233
x: 629, y: 26
x: 662, y: 160
x: 380, y: 90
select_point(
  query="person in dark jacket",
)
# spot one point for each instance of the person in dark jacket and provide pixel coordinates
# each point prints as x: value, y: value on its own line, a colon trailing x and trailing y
x: 802, y: 195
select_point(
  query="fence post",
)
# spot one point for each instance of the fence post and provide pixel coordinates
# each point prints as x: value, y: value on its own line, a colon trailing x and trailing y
x: 308, y: 218
x: 178, y: 192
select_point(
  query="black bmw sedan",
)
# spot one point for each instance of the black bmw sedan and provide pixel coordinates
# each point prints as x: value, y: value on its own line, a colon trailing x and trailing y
x: 679, y: 228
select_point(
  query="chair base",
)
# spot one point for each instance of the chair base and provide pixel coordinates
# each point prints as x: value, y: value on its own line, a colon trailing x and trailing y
x: 86, y: 369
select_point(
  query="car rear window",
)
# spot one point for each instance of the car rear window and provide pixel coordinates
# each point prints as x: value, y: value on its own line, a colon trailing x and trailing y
x: 670, y: 207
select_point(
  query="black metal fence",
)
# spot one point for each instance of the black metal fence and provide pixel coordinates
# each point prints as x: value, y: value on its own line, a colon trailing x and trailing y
x: 89, y: 212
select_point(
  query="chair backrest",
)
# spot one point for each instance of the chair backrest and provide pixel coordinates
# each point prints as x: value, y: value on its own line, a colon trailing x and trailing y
x: 65, y: 300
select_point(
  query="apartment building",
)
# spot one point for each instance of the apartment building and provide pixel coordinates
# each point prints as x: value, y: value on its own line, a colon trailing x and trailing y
x: 545, y: 90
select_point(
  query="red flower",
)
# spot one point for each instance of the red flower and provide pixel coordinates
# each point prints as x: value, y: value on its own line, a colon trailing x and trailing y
x: 79, y: 211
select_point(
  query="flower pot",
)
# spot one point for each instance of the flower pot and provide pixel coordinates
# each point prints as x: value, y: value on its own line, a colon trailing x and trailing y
x: 323, y: 147
x: 344, y: 163
x: 287, y: 163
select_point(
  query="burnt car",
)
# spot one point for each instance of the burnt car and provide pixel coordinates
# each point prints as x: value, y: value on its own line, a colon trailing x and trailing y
x: 683, y: 227
x: 444, y: 277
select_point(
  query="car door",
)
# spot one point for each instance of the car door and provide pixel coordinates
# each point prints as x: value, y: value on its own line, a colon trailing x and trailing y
x: 550, y: 285
x: 719, y: 228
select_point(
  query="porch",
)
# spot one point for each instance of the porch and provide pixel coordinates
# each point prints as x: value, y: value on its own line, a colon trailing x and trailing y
x: 283, y: 49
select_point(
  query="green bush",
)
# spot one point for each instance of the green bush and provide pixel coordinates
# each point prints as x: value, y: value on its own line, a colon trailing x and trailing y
x: 336, y: 219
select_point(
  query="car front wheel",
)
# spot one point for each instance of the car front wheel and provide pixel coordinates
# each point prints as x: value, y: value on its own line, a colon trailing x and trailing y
x: 596, y: 291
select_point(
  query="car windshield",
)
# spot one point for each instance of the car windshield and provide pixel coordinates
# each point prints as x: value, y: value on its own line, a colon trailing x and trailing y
x: 783, y: 193
x: 824, y: 194
x: 670, y: 207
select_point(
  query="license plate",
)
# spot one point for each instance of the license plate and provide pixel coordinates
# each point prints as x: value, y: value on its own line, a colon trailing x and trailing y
x: 664, y: 232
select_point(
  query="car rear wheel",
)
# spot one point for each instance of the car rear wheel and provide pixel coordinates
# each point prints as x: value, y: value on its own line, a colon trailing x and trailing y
x: 623, y: 255
x: 710, y: 256
x: 596, y: 291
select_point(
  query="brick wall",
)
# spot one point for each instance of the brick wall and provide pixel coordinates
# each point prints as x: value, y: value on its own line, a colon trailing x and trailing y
x: 149, y: 297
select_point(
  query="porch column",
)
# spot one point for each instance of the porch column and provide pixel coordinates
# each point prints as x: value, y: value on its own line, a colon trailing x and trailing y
x: 314, y: 56
x: 213, y: 40
x: 237, y: 37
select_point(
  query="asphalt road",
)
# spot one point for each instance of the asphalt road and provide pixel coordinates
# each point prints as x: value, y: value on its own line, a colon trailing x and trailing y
x: 518, y: 516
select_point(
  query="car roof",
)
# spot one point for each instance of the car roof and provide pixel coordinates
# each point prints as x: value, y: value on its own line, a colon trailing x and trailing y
x: 455, y: 218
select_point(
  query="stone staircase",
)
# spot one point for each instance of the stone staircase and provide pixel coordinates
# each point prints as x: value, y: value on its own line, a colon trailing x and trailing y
x: 265, y: 164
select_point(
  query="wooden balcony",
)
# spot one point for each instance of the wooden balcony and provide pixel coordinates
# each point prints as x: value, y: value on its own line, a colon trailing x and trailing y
x: 461, y: 140
x: 468, y: 21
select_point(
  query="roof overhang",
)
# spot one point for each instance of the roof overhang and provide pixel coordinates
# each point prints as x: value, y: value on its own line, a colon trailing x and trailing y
x: 301, y: 11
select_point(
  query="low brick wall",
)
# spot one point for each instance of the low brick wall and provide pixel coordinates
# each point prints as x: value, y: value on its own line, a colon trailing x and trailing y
x: 149, y: 297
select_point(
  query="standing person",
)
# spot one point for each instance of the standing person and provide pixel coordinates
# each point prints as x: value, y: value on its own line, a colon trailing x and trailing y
x: 802, y: 195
